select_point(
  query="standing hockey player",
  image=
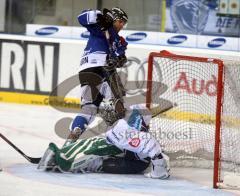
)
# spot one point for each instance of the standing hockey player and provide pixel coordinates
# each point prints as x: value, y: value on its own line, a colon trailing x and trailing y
x: 129, y: 134
x: 97, y: 72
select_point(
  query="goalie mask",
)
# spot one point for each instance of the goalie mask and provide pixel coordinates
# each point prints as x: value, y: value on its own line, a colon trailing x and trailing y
x: 111, y: 110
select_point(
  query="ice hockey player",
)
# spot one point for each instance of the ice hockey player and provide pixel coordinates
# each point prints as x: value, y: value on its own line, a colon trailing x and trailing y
x: 92, y: 155
x: 105, y: 153
x: 101, y: 57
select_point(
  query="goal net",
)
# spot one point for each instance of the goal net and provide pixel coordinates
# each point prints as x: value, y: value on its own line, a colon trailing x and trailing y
x: 202, y: 129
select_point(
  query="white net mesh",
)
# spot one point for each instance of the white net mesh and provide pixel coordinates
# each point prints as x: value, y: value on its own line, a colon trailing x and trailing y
x: 187, y: 131
x: 230, y: 129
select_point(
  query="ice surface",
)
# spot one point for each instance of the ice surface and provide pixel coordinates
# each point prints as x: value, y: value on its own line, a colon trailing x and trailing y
x: 31, y: 128
x: 128, y: 183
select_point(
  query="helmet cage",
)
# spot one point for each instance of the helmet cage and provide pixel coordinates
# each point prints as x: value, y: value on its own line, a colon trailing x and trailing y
x: 119, y: 14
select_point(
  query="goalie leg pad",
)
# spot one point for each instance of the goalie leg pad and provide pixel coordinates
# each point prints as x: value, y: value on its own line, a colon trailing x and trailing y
x: 48, y: 161
x: 85, y: 154
x: 87, y: 163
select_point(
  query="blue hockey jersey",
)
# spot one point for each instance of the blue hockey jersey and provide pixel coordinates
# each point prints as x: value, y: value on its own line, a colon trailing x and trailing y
x: 97, y: 49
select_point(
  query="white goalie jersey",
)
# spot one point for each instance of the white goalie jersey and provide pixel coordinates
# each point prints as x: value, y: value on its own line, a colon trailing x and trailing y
x: 131, y: 133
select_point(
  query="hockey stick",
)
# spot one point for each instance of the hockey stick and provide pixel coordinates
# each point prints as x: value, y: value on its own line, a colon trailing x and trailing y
x: 156, y: 111
x: 30, y: 159
x: 162, y: 111
x: 37, y: 160
x: 116, y: 84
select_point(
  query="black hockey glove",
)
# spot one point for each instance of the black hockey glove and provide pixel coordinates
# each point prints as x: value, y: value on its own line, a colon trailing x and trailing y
x: 121, y: 61
x: 111, y: 63
x: 105, y: 20
x: 117, y: 61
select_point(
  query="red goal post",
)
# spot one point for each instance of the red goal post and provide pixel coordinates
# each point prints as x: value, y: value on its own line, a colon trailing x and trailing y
x: 197, y: 113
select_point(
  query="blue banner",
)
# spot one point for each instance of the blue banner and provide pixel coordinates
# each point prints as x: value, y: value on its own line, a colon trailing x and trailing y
x: 199, y: 17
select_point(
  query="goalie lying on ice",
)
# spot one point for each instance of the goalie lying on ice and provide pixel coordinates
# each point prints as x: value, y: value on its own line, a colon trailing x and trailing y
x: 126, y: 148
